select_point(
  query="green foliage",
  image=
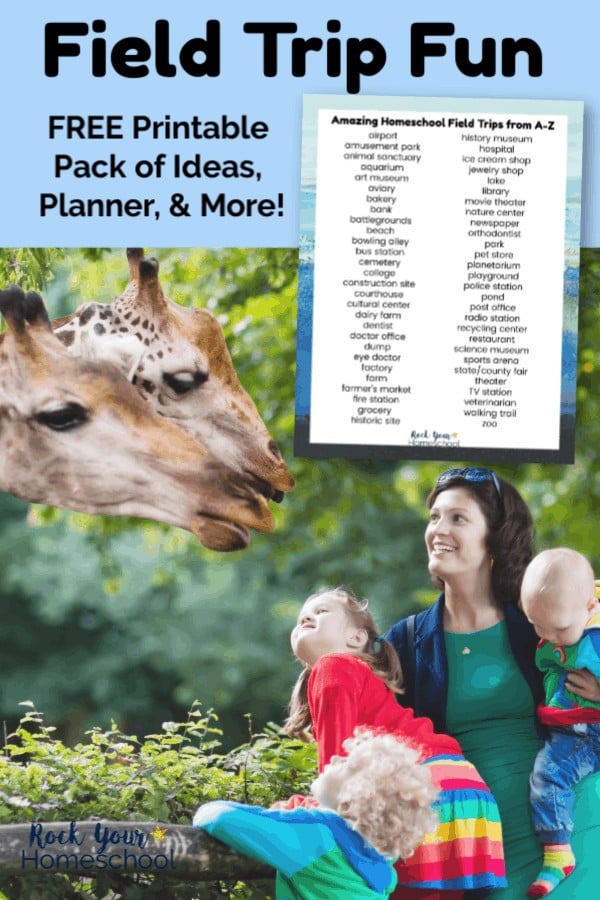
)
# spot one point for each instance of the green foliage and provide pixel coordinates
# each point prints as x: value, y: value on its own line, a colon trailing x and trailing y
x: 30, y: 267
x: 128, y: 887
x: 163, y: 777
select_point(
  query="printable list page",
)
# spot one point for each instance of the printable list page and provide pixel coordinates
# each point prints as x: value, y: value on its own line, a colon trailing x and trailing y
x: 438, y: 258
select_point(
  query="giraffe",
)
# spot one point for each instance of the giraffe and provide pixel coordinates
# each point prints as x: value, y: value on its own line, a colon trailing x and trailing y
x: 76, y: 433
x: 178, y: 360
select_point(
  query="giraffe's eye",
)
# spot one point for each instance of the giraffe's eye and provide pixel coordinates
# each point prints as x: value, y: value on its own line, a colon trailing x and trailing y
x: 183, y: 382
x: 62, y: 418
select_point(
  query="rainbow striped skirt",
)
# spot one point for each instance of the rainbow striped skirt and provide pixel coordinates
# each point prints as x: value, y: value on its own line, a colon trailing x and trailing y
x: 466, y: 850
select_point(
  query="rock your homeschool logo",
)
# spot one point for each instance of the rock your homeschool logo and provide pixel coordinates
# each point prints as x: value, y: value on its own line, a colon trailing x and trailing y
x: 433, y: 438
x: 95, y: 848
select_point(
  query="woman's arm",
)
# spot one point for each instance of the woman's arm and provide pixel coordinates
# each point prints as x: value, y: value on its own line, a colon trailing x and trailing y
x: 585, y: 680
x: 583, y: 683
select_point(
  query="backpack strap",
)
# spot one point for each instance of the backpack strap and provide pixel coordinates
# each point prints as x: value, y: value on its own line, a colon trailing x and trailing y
x: 409, y: 662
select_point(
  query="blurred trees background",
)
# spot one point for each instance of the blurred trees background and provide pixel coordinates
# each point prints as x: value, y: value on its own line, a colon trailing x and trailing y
x: 119, y: 619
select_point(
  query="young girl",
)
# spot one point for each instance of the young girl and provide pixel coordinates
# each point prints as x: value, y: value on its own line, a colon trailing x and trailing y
x: 350, y: 679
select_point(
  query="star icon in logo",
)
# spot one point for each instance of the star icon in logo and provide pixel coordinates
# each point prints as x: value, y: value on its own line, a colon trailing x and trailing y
x: 158, y: 833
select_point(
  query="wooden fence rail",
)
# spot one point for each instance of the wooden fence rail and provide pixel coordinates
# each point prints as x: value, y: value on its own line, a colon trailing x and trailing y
x: 89, y: 847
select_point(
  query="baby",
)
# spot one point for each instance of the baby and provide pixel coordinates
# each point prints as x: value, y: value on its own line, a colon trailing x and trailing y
x: 375, y: 807
x: 558, y: 596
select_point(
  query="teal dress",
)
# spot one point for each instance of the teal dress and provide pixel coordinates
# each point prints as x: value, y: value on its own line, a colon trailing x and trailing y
x: 489, y: 713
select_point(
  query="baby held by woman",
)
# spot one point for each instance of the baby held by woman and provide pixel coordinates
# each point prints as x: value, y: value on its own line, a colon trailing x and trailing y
x: 558, y: 596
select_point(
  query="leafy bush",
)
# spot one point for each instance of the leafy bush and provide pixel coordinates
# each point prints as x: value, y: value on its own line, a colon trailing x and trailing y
x: 162, y: 777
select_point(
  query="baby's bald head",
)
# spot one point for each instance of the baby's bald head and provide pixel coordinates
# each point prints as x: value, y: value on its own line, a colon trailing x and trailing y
x: 558, y: 594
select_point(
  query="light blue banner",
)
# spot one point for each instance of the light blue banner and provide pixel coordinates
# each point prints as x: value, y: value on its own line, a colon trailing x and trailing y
x: 204, y: 149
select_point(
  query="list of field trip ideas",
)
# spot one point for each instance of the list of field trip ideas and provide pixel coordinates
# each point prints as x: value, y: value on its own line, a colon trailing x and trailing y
x: 438, y: 278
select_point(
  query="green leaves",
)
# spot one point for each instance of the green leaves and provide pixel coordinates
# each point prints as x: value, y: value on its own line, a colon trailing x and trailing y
x: 31, y: 268
x: 162, y: 777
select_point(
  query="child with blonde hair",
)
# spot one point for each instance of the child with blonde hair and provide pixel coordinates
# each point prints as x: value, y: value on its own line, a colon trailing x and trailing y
x: 351, y: 678
x: 559, y: 597
x: 375, y: 805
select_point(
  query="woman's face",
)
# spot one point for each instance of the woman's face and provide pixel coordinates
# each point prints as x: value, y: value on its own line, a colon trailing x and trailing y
x: 456, y: 535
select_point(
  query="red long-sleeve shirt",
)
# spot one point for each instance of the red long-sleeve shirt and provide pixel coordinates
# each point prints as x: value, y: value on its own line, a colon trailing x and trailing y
x: 343, y: 693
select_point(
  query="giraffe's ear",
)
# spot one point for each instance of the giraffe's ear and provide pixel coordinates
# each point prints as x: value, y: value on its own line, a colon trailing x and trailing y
x: 122, y: 350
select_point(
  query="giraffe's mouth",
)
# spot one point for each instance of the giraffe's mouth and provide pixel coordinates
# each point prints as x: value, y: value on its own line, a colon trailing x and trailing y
x: 235, y: 505
x: 263, y: 487
x: 220, y: 534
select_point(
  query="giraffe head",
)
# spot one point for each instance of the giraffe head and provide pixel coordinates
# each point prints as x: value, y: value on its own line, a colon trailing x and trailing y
x: 178, y: 359
x: 75, y: 433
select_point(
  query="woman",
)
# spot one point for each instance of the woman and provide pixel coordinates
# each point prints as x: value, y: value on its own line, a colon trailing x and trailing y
x: 468, y: 664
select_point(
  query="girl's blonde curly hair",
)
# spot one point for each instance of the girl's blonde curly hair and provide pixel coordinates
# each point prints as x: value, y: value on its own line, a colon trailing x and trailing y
x: 385, y: 795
